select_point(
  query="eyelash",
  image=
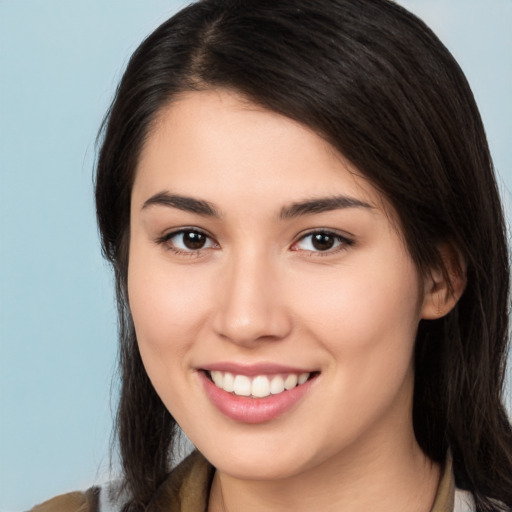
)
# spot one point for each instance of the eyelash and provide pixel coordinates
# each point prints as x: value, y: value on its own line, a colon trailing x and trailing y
x: 342, y: 241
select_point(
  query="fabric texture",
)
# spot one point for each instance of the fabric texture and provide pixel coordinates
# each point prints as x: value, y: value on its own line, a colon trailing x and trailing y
x: 188, y: 486
x: 87, y: 501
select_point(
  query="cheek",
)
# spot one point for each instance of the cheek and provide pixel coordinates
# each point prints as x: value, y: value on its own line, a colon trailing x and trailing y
x: 168, y: 308
x: 366, y: 317
x: 357, y: 303
x: 366, y: 321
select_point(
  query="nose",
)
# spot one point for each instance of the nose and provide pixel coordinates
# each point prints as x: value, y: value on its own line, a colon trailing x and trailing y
x: 251, y: 306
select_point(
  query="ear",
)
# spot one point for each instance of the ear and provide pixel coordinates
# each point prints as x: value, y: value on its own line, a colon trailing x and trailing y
x: 443, y: 287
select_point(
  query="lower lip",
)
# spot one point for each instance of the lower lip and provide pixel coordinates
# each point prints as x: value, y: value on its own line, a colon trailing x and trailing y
x: 253, y: 410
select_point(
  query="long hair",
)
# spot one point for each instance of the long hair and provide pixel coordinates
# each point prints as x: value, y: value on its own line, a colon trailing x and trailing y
x: 380, y: 87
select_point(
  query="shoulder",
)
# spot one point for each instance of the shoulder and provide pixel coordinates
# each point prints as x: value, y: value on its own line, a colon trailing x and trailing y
x: 186, y: 488
x: 107, y: 498
x: 87, y: 501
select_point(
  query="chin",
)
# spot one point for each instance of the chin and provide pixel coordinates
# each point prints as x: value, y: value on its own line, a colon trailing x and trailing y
x: 260, y: 457
x: 273, y: 467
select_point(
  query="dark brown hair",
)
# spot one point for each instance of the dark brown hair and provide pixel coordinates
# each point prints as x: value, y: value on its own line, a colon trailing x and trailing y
x: 382, y: 89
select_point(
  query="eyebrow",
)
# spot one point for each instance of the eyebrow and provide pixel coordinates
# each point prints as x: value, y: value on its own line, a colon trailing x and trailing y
x: 320, y: 205
x: 187, y: 204
x: 207, y: 209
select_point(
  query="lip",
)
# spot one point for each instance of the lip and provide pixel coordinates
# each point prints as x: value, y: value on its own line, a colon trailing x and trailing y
x: 254, y: 410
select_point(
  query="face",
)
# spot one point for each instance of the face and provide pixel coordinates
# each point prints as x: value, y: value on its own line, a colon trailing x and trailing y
x: 260, y: 259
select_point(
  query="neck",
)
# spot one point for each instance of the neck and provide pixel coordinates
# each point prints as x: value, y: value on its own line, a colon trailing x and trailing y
x: 384, y: 476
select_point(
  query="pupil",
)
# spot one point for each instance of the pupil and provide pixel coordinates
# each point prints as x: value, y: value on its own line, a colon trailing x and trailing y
x: 322, y: 242
x: 193, y: 240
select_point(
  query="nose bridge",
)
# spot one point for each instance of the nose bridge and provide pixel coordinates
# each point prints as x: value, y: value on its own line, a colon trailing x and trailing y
x: 251, y: 306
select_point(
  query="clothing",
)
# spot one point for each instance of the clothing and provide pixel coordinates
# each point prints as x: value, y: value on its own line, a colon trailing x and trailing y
x: 188, y: 487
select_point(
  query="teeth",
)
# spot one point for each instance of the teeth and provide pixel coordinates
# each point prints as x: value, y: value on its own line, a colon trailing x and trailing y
x: 242, y: 385
x: 303, y: 377
x: 218, y: 379
x: 229, y: 383
x: 277, y: 385
x: 290, y: 381
x: 259, y: 386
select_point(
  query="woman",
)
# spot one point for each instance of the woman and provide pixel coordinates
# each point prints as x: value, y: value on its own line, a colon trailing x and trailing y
x: 298, y: 202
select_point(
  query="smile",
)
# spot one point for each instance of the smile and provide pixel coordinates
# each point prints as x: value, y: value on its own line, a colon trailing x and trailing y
x: 259, y: 386
x: 258, y: 393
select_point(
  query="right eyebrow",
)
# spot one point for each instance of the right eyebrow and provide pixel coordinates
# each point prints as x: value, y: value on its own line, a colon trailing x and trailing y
x: 320, y: 205
x: 188, y: 204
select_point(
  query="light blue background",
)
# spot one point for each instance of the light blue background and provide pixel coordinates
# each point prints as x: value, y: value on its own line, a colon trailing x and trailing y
x: 59, y: 63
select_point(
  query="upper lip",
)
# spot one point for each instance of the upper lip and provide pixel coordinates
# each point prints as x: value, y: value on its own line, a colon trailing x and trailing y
x: 251, y: 370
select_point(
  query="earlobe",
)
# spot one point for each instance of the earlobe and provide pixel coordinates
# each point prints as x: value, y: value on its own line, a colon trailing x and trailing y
x: 443, y: 286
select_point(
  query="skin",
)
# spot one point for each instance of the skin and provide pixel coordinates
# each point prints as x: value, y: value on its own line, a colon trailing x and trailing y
x: 259, y: 291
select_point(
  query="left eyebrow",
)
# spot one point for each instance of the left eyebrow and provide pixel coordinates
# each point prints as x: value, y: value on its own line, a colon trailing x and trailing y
x: 320, y: 205
x: 188, y: 204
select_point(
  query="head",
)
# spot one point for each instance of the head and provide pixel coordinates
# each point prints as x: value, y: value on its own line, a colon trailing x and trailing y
x: 373, y: 83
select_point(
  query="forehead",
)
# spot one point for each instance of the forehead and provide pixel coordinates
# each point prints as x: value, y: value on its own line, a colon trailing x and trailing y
x: 217, y: 144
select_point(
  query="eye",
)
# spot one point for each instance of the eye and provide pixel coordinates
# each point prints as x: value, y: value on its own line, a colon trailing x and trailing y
x: 321, y: 241
x: 187, y: 241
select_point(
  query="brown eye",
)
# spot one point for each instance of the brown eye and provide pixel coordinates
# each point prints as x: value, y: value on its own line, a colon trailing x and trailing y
x: 322, y: 241
x: 187, y: 241
x: 193, y: 240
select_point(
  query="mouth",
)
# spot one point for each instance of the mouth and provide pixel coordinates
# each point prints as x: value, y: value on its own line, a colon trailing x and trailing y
x: 256, y: 393
x: 258, y: 386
